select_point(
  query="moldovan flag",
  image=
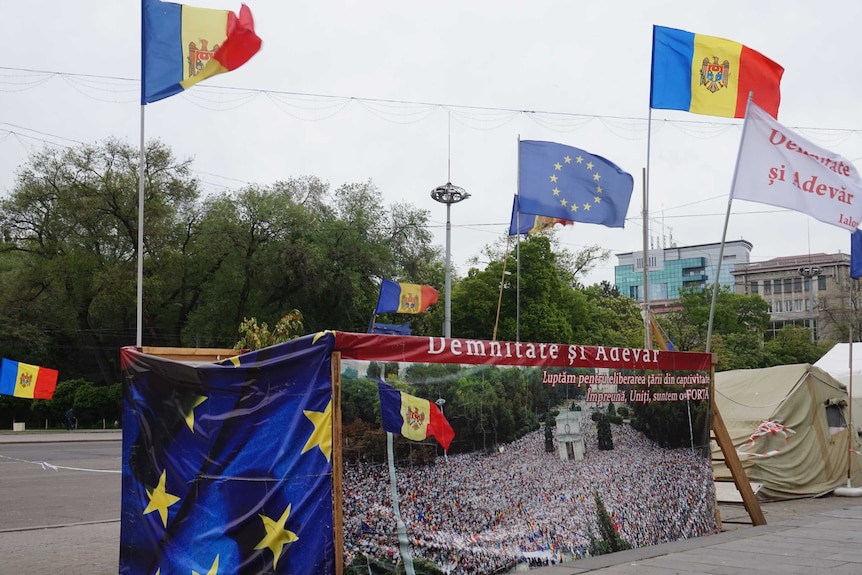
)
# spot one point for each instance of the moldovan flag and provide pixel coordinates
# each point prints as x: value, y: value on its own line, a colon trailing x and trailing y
x: 781, y: 168
x: 24, y: 380
x: 710, y: 75
x: 405, y: 298
x: 413, y: 417
x: 182, y: 45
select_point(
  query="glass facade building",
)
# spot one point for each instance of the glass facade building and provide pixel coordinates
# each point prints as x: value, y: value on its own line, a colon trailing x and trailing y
x: 670, y: 269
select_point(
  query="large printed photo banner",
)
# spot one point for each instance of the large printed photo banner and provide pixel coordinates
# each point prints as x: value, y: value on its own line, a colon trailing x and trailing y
x: 227, y: 467
x: 513, y: 489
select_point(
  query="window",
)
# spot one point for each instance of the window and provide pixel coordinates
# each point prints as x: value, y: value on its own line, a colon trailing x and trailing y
x: 821, y: 283
x: 754, y: 287
x: 797, y: 285
x: 788, y: 285
x: 777, y: 286
x: 799, y: 304
x: 788, y: 305
x: 778, y: 306
x: 834, y: 416
x: 767, y: 287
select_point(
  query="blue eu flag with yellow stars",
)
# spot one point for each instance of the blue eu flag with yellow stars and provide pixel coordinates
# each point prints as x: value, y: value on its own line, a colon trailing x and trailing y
x: 559, y: 181
x: 227, y: 467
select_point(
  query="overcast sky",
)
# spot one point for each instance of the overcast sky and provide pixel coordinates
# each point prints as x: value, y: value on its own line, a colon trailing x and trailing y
x: 405, y: 93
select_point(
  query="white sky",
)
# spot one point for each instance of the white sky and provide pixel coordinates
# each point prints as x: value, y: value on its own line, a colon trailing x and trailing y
x: 397, y: 84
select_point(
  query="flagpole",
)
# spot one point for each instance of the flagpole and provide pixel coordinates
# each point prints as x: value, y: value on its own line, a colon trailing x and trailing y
x: 140, y: 275
x: 503, y: 277
x: 647, y: 318
x: 518, y: 252
x: 715, y: 284
x: 396, y: 510
x: 851, y: 429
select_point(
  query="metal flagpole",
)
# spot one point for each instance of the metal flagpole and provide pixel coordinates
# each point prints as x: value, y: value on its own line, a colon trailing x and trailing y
x: 518, y: 254
x: 715, y: 284
x: 647, y: 318
x: 403, y: 544
x: 140, y: 297
x: 503, y: 279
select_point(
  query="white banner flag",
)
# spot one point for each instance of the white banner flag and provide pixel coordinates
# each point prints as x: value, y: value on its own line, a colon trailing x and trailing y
x: 781, y: 168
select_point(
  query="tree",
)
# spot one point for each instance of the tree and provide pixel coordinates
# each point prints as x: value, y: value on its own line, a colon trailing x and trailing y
x: 551, y: 309
x: 73, y: 216
x: 603, y: 434
x: 610, y: 541
x: 254, y: 336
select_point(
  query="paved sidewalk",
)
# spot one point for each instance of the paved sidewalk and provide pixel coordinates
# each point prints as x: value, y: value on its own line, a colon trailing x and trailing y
x: 54, y: 436
x: 823, y: 543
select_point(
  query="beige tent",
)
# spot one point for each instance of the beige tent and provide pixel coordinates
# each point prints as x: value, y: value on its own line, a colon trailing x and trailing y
x: 788, y: 425
x: 836, y: 362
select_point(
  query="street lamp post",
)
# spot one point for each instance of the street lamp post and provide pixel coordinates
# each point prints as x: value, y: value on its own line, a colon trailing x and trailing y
x: 810, y: 272
x: 448, y: 194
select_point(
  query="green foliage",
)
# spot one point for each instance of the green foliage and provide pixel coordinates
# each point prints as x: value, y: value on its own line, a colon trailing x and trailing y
x: 253, y: 336
x: 793, y: 345
x: 612, y: 410
x: 623, y: 411
x: 604, y: 435
x: 610, y: 541
x: 667, y: 422
x: 549, y: 434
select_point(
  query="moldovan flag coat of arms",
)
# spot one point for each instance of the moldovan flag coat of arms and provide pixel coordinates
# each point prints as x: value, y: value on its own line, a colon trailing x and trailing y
x: 182, y: 45
x: 29, y: 381
x: 780, y: 168
x: 413, y: 417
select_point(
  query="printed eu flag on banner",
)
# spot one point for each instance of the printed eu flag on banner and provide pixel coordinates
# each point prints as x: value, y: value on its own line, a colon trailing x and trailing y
x: 227, y: 467
x: 559, y: 181
x: 856, y: 254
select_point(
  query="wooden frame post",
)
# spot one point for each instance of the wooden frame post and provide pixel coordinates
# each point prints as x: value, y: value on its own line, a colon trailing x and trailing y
x: 731, y: 457
x: 337, y: 466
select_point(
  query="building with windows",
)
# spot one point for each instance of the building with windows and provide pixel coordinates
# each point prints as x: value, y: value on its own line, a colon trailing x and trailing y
x: 670, y: 269
x: 810, y: 291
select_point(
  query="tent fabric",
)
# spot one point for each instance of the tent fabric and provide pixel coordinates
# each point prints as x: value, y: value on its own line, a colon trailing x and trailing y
x: 836, y: 362
x: 805, y: 458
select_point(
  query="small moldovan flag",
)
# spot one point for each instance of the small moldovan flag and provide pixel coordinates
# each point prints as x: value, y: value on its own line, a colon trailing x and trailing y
x: 25, y: 380
x: 405, y: 298
x: 710, y: 75
x: 413, y: 417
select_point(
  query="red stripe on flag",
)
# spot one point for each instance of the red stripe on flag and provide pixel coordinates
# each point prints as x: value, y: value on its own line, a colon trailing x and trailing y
x: 760, y: 75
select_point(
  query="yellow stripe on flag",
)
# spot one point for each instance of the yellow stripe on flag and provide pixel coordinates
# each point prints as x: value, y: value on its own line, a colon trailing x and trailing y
x: 713, y: 98
x: 25, y: 382
x: 202, y: 31
x: 416, y: 414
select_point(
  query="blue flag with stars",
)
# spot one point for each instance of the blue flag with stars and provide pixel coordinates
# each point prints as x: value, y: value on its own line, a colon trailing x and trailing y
x: 227, y: 467
x: 559, y: 181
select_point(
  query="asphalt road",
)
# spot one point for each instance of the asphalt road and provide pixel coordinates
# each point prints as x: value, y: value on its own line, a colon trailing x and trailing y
x: 78, y: 483
x: 60, y: 507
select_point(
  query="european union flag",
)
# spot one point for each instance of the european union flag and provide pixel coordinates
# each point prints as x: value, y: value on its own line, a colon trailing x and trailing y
x: 559, y: 181
x: 856, y: 254
x: 227, y: 467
